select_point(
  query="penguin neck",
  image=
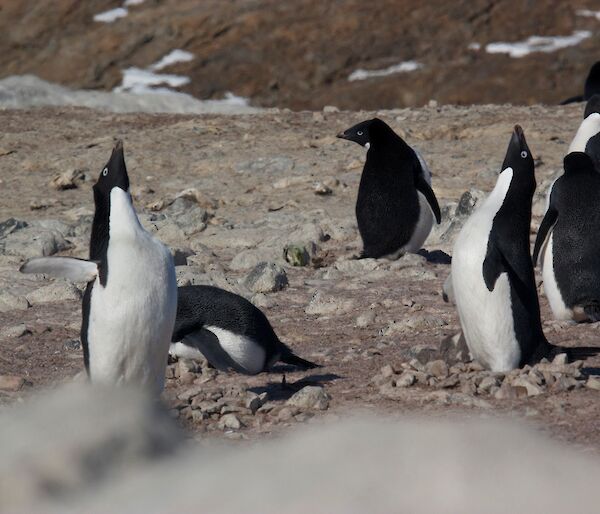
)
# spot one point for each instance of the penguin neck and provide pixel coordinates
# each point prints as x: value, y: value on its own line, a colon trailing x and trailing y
x: 123, y: 220
x: 588, y: 128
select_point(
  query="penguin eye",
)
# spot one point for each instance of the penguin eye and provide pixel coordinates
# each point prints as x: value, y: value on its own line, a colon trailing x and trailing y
x: 523, y: 154
x: 360, y: 132
x: 105, y: 172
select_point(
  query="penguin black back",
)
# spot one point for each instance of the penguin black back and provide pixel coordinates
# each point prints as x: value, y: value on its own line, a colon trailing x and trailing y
x: 573, y: 216
x: 387, y: 206
x: 217, y: 307
x: 592, y: 82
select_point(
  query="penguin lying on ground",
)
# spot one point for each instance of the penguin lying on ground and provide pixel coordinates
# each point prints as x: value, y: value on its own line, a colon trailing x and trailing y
x: 587, y: 138
x: 229, y: 331
x: 567, y: 243
x: 130, y: 302
x: 492, y: 272
x: 591, y: 87
x: 395, y: 205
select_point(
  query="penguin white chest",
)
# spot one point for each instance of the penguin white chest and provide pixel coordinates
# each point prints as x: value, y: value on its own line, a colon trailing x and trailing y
x: 555, y: 299
x: 242, y: 349
x: 486, y: 316
x: 131, y: 318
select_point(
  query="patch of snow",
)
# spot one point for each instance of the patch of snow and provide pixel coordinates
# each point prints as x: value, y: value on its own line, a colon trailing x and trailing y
x: 133, y: 2
x: 537, y: 44
x: 474, y: 46
x: 588, y: 13
x: 137, y: 80
x: 110, y: 16
x: 173, y: 57
x: 402, y: 67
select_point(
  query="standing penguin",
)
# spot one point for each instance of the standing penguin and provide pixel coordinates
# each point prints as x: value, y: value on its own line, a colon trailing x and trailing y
x: 587, y: 138
x: 130, y: 302
x: 228, y: 331
x: 492, y: 273
x: 395, y: 205
x: 566, y: 242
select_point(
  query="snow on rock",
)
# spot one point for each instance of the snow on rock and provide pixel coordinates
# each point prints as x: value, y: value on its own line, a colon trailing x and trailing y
x: 129, y: 3
x: 173, y: 57
x: 537, y: 44
x: 110, y: 16
x: 587, y: 13
x: 137, y: 80
x: 402, y: 67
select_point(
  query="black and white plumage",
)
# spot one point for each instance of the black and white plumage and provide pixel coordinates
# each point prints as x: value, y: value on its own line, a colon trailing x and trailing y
x: 567, y: 245
x: 492, y: 273
x: 587, y: 138
x: 229, y: 331
x: 591, y: 86
x: 130, y: 302
x: 396, y: 206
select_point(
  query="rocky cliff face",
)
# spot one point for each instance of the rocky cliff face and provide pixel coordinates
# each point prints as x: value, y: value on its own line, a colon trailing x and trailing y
x: 300, y: 54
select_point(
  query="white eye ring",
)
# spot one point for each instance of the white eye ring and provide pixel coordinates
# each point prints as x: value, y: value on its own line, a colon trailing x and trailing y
x: 360, y: 132
x: 105, y: 172
x: 523, y: 154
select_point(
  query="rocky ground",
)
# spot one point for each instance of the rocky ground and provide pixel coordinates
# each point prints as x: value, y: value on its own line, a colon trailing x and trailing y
x: 300, y: 54
x: 231, y: 193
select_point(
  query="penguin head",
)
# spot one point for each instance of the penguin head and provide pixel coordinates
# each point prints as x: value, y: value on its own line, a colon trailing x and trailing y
x: 518, y: 156
x: 592, y: 82
x: 114, y: 174
x: 578, y: 162
x: 359, y: 133
x: 592, y: 106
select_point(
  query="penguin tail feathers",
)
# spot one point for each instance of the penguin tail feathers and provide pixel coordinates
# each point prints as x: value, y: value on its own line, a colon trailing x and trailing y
x: 581, y: 353
x: 289, y: 357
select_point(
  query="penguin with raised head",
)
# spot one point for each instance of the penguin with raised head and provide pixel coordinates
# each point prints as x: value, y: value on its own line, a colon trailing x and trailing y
x: 591, y: 86
x: 492, y: 273
x: 587, y: 138
x: 130, y: 302
x: 229, y: 331
x: 395, y: 206
x: 566, y: 243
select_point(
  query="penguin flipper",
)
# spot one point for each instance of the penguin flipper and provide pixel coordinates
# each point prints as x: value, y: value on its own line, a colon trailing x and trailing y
x: 544, y: 232
x: 448, y: 290
x: 208, y: 344
x: 425, y: 189
x: 493, y: 265
x: 71, y: 268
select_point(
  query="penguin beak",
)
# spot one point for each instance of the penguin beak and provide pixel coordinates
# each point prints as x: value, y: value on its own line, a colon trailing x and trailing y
x: 342, y: 135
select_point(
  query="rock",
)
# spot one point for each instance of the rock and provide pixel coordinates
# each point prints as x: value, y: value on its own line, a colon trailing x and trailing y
x: 69, y: 179
x: 322, y: 189
x: 532, y: 389
x: 593, y: 383
x: 11, y: 225
x: 14, y: 331
x: 266, y: 277
x: 12, y: 302
x: 560, y: 359
x: 324, y: 304
x: 299, y: 254
x: 366, y: 318
x: 310, y: 397
x: 202, y: 199
x: 58, y: 291
x: 406, y: 379
x: 180, y: 255
x: 34, y: 242
x: 437, y: 368
x: 187, y: 215
x: 355, y: 266
x: 408, y: 260
x: 286, y: 413
x: 11, y: 383
x: 453, y: 349
x: 468, y: 201
x: 487, y: 384
x: 250, y: 258
x: 387, y: 371
x: 230, y: 421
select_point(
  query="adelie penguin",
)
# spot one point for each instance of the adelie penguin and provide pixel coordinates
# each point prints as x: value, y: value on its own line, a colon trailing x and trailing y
x: 492, y: 273
x: 130, y: 302
x: 229, y: 331
x: 396, y: 206
x: 567, y: 245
